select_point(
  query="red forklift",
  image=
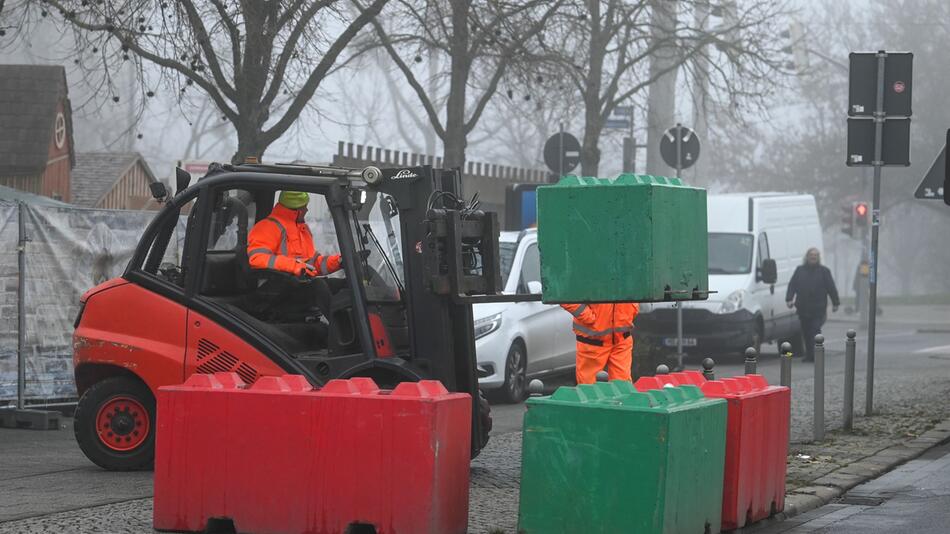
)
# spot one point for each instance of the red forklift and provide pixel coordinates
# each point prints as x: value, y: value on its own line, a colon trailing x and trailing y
x: 416, y: 255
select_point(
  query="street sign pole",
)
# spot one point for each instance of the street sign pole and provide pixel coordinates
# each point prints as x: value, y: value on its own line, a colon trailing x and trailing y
x: 679, y: 148
x: 679, y: 305
x: 877, y: 163
x: 560, y: 150
x: 633, y: 148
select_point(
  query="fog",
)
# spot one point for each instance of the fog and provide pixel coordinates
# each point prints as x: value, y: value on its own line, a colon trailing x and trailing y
x: 788, y: 134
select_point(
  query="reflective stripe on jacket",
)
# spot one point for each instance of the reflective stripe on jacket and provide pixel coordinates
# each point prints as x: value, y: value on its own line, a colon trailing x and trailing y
x: 279, y: 242
x: 603, y: 323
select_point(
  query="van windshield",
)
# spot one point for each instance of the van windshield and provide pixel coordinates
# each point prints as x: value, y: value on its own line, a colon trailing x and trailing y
x: 730, y: 253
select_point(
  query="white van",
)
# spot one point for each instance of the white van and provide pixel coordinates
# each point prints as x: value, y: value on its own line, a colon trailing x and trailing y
x: 745, y: 230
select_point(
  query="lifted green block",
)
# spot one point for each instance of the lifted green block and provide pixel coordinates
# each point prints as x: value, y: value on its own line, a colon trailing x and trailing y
x: 604, y: 458
x: 634, y: 238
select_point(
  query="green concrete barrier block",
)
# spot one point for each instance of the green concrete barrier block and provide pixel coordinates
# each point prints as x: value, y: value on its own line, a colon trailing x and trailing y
x: 605, y: 458
x: 634, y: 238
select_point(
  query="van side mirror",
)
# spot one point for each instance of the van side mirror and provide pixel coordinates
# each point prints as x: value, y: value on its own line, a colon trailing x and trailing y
x: 159, y: 191
x: 768, y: 273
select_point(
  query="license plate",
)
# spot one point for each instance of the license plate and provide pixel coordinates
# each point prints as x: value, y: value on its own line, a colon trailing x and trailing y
x: 671, y: 342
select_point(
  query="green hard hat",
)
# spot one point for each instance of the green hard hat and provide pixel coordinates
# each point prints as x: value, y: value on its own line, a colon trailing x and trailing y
x: 294, y: 199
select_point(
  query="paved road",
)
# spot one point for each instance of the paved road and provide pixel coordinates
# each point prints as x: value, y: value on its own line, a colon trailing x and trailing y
x: 44, y: 473
x: 913, y: 498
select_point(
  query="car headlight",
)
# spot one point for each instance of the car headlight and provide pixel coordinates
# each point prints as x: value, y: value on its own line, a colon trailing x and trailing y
x: 487, y: 325
x: 733, y: 302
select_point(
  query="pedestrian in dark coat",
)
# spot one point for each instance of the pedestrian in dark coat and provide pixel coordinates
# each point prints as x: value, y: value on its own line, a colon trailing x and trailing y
x: 808, y: 291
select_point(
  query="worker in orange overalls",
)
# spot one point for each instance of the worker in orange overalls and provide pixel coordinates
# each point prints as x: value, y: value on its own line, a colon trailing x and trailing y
x: 604, y: 335
x: 283, y: 240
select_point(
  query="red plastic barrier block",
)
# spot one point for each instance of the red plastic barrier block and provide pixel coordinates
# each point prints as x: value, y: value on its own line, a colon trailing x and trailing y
x: 756, y: 448
x: 756, y: 442
x: 281, y: 458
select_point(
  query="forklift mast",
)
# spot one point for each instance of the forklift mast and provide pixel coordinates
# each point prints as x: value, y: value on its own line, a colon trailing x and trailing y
x: 441, y: 265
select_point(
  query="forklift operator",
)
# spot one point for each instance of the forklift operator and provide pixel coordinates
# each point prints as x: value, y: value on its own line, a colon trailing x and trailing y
x: 283, y: 242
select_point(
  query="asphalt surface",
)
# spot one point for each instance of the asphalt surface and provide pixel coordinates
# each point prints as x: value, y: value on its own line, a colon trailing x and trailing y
x: 913, y: 498
x: 47, y: 485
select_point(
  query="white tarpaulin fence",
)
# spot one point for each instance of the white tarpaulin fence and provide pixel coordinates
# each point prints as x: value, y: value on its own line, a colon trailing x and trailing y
x: 68, y: 251
x: 9, y: 236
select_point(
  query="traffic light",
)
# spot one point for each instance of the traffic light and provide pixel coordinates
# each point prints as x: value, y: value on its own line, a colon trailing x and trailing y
x: 854, y: 218
x: 861, y: 215
x: 847, y: 219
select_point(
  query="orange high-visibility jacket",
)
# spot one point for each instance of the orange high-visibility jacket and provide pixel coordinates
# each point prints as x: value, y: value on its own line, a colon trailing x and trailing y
x: 603, y: 324
x: 280, y: 242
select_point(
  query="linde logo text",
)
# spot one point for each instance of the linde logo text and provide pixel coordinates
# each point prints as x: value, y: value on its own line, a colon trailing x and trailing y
x: 404, y: 174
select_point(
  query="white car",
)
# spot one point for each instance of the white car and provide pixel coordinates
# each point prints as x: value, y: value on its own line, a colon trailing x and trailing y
x: 520, y: 340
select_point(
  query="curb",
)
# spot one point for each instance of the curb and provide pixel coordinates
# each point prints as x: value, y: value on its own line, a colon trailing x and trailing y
x: 838, y: 482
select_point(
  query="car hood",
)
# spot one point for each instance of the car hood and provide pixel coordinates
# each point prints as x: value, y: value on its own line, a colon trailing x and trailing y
x: 480, y: 311
x: 723, y: 285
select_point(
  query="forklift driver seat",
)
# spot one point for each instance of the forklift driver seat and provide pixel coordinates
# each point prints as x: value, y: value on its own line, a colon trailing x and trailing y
x: 224, y: 269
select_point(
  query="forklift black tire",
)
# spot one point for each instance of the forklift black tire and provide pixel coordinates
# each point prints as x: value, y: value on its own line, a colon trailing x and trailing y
x: 484, y: 415
x: 115, y: 424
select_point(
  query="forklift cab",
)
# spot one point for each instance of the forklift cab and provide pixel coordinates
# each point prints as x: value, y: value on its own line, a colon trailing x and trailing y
x: 280, y: 305
x: 414, y: 258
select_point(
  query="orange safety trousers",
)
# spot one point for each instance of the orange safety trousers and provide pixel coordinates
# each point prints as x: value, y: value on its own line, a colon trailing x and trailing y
x: 591, y: 359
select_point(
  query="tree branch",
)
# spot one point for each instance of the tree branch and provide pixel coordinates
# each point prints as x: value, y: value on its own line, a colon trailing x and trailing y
x: 367, y: 15
x: 204, y: 41
x: 410, y: 77
x: 110, y: 29
x: 233, y: 32
x: 506, y: 59
x: 290, y: 49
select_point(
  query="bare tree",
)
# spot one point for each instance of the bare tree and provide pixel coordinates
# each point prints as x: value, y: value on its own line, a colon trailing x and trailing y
x: 259, y: 62
x: 480, y: 41
x: 527, y: 111
x: 612, y: 50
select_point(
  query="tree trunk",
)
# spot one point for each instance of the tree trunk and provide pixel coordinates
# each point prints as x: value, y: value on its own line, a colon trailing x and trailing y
x: 455, y: 139
x: 661, y: 100
x: 590, y: 151
x: 250, y: 144
x: 593, y: 124
x: 700, y: 170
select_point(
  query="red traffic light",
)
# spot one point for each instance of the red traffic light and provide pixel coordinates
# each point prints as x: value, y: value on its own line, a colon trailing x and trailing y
x: 861, y: 209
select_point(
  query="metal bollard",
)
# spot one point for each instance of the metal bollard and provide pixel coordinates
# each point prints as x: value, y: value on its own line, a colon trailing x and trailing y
x: 849, y: 349
x: 662, y: 369
x: 786, y: 360
x: 750, y: 360
x: 602, y: 376
x: 819, y: 405
x: 708, y: 365
x: 535, y: 388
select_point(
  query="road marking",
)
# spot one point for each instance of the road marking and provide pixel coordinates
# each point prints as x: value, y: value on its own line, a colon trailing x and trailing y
x: 934, y: 350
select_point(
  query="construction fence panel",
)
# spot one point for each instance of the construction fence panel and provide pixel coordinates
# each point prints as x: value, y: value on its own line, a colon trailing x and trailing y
x: 69, y: 251
x: 9, y: 235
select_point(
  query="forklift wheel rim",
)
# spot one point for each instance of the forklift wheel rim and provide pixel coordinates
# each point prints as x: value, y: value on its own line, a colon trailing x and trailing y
x: 122, y: 423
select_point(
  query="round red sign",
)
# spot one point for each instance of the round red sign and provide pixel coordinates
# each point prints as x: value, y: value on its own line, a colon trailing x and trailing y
x: 898, y: 87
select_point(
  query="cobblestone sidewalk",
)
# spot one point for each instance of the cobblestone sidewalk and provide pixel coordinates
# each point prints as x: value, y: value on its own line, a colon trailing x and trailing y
x: 909, y: 407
